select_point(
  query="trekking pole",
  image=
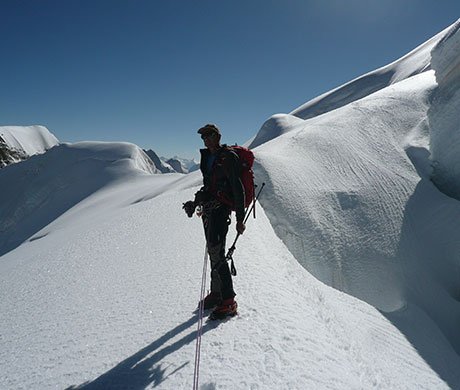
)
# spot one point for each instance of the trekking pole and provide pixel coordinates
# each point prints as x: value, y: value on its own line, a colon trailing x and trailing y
x: 233, y: 247
x: 254, y: 200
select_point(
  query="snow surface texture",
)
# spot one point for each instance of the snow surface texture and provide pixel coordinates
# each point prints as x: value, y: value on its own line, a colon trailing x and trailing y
x: 444, y: 114
x: 349, y: 194
x: 110, y: 303
x: 30, y: 139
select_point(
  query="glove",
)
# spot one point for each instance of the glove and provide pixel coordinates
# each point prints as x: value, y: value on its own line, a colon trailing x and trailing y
x: 201, y: 197
x: 189, y: 208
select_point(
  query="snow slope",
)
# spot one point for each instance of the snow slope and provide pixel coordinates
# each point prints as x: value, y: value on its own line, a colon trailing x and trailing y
x: 346, y: 175
x: 349, y: 193
x: 46, y: 185
x: 30, y: 139
x: 110, y: 303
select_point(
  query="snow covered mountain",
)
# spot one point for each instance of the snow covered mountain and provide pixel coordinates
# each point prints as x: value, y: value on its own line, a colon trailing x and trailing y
x: 162, y: 166
x: 182, y: 165
x: 190, y: 164
x: 9, y: 155
x: 174, y: 164
x: 348, y: 278
x: 19, y: 142
x: 177, y: 165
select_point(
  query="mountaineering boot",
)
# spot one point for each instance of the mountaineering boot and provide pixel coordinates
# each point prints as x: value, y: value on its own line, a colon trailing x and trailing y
x: 211, y: 300
x: 226, y: 309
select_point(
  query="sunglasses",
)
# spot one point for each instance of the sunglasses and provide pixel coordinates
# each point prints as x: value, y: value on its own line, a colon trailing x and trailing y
x: 204, y: 136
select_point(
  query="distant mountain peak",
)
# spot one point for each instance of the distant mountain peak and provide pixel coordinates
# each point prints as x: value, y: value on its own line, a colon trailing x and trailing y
x: 18, y: 143
x: 160, y: 165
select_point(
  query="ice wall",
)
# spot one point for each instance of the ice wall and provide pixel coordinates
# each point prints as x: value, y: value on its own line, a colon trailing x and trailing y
x: 444, y: 114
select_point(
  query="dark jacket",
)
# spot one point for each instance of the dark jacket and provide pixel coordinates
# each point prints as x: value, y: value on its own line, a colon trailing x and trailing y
x: 225, y: 179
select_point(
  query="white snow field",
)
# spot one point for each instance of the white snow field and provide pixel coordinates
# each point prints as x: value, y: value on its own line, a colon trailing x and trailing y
x: 110, y: 304
x: 29, y: 139
x: 349, y: 278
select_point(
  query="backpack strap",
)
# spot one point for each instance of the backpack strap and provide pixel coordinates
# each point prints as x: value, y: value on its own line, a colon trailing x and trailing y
x: 221, y: 158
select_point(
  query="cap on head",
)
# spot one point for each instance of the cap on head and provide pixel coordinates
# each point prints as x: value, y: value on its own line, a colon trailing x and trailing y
x: 209, y: 128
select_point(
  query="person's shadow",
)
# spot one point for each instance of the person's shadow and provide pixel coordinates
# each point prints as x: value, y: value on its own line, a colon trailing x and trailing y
x: 144, y: 367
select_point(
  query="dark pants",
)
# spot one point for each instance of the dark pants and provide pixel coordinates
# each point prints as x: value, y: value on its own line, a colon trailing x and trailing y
x: 215, y: 223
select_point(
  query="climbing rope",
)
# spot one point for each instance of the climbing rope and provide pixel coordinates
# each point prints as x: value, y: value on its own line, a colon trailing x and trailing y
x: 200, y: 323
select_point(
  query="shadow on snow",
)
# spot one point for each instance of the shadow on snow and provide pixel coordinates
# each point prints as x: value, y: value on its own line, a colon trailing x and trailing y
x: 144, y: 368
x: 432, y: 311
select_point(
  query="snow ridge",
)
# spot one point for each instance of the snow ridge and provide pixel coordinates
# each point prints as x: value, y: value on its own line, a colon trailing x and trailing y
x: 413, y: 63
x: 346, y: 175
x: 29, y: 139
x: 273, y: 127
x: 17, y: 143
x: 46, y: 185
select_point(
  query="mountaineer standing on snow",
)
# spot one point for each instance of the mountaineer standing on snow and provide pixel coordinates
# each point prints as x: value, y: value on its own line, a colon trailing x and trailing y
x: 221, y: 168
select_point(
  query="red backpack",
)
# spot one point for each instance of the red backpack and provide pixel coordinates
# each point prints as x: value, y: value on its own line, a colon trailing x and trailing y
x: 247, y: 175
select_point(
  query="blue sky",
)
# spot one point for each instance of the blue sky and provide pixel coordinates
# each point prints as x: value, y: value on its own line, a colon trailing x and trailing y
x: 152, y: 72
